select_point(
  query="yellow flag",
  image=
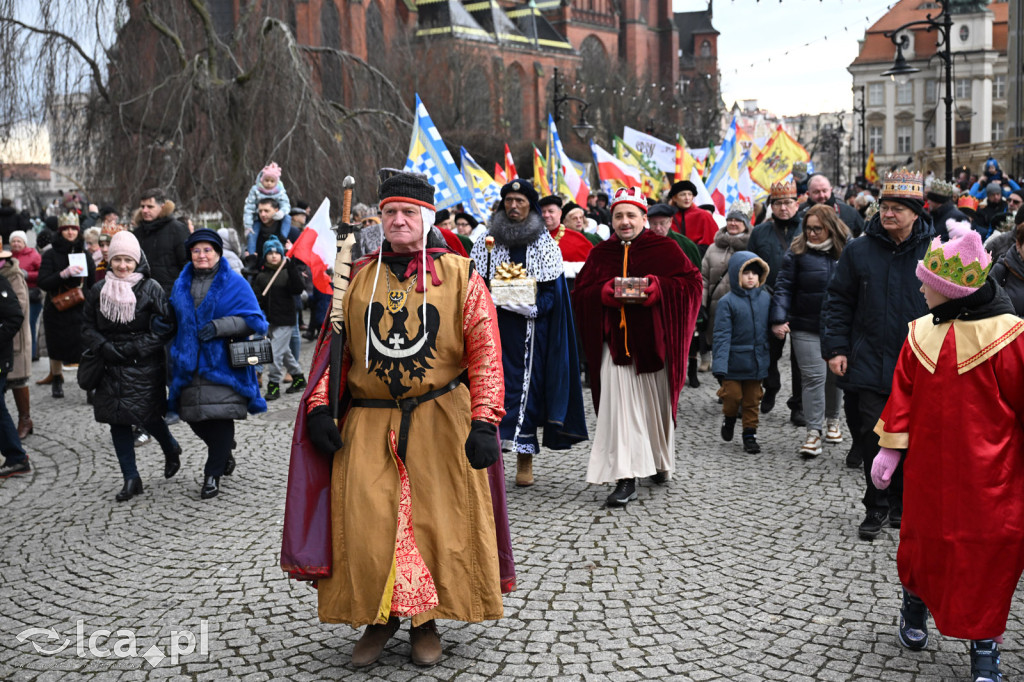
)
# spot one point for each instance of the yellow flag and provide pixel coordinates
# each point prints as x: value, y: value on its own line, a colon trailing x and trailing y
x: 870, y: 169
x: 776, y: 159
x: 540, y: 176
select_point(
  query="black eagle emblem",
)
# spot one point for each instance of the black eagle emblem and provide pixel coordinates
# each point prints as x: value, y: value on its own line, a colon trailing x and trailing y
x: 396, y: 354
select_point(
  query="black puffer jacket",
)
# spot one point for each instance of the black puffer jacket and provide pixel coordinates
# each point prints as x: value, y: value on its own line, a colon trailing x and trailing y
x: 800, y: 290
x: 279, y: 303
x: 63, y: 328
x: 1009, y: 273
x: 133, y: 390
x: 871, y: 299
x: 163, y: 242
x: 770, y: 240
x: 943, y: 212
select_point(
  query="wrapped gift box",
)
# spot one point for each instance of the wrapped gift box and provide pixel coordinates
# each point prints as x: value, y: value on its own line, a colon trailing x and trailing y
x: 630, y: 288
x: 521, y: 291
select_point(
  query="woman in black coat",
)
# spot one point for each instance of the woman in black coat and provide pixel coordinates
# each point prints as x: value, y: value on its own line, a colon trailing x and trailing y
x: 56, y: 276
x: 127, y: 322
x: 796, y: 309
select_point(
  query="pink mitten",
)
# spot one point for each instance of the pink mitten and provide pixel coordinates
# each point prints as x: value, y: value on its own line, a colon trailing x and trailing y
x: 883, y: 467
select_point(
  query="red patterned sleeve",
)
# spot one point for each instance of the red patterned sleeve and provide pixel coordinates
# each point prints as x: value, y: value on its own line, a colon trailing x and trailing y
x: 319, y: 395
x: 482, y: 358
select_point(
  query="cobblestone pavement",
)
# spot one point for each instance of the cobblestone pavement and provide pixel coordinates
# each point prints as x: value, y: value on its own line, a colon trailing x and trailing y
x: 745, y: 567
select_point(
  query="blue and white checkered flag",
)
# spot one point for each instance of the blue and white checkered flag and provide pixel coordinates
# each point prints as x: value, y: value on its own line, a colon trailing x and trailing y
x: 429, y: 156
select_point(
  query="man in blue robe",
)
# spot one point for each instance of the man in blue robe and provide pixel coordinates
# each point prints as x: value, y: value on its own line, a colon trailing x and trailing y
x: 538, y: 341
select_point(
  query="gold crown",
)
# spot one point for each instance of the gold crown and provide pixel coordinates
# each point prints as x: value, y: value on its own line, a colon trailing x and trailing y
x: 943, y: 189
x: 902, y: 184
x: 67, y: 219
x: 743, y: 207
x: 782, y: 190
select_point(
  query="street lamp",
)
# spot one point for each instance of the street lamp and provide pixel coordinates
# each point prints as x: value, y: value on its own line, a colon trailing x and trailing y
x: 583, y: 129
x: 901, y: 70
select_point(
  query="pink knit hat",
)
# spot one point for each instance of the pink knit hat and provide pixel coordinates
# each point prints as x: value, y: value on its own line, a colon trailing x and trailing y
x: 124, y: 244
x: 959, y: 267
x: 271, y: 170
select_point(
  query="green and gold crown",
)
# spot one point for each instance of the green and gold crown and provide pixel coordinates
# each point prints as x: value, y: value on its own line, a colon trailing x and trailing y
x: 972, y: 275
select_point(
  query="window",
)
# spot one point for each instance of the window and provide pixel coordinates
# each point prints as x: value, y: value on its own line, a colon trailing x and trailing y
x: 999, y: 87
x: 963, y: 88
x: 929, y: 135
x: 903, y: 137
x: 875, y: 138
x: 905, y: 93
x: 931, y: 91
x: 876, y: 94
x: 705, y: 49
x: 998, y: 131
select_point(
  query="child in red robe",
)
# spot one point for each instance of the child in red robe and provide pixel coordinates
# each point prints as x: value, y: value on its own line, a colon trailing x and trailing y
x: 955, y: 418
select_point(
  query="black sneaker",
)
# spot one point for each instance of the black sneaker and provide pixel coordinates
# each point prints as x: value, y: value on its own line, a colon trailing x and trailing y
x: 15, y: 468
x: 728, y: 428
x: 871, y: 526
x: 298, y: 383
x: 797, y: 418
x: 625, y: 490
x: 985, y: 661
x: 273, y: 391
x: 660, y: 477
x: 768, y: 400
x: 913, y: 630
x: 853, y: 459
x: 750, y: 444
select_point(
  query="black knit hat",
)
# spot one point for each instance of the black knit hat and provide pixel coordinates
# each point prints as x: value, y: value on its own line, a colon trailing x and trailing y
x: 550, y: 200
x: 205, y: 234
x: 568, y: 208
x: 678, y: 187
x: 524, y: 187
x: 411, y: 187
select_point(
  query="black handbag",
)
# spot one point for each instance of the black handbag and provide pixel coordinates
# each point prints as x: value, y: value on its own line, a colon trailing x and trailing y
x: 90, y: 369
x: 250, y: 352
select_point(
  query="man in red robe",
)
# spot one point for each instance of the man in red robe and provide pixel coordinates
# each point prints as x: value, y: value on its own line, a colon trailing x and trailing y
x: 640, y: 346
x: 573, y: 245
x: 691, y: 220
x: 955, y: 419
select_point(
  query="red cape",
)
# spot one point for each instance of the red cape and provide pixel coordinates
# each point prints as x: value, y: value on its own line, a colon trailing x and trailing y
x: 658, y: 335
x: 453, y: 242
x: 574, y: 246
x: 701, y: 228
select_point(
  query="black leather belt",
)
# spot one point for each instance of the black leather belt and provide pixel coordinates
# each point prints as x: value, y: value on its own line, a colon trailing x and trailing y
x: 406, y: 405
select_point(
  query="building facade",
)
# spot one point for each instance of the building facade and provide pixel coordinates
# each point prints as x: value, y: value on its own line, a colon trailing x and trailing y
x: 905, y: 121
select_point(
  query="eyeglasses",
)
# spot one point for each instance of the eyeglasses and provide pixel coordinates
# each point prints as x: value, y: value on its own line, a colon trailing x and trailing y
x: 783, y: 202
x: 816, y: 229
x: 1014, y: 202
x: 203, y: 251
x: 894, y: 210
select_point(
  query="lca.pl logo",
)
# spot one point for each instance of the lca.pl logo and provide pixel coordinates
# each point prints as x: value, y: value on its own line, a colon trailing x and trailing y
x: 180, y: 643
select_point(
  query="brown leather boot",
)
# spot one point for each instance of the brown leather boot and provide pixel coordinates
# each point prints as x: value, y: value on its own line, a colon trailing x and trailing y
x: 48, y: 379
x: 524, y: 470
x: 426, y: 644
x: 21, y: 399
x: 370, y: 646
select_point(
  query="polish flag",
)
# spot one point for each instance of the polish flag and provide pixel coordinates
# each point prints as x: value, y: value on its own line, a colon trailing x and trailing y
x: 510, y: 166
x: 317, y: 247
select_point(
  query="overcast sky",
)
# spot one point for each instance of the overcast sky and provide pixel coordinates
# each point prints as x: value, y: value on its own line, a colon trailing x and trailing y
x: 790, y: 56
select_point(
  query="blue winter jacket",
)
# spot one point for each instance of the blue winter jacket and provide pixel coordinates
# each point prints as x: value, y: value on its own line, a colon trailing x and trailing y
x: 873, y: 296
x: 741, y: 326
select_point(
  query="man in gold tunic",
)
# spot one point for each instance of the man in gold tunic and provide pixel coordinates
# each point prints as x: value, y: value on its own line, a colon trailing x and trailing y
x: 413, y: 527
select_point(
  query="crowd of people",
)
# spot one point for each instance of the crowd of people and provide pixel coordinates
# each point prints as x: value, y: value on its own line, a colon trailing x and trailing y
x: 462, y: 339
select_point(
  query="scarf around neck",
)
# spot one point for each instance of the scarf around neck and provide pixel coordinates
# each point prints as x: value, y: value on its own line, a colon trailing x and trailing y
x: 117, y: 299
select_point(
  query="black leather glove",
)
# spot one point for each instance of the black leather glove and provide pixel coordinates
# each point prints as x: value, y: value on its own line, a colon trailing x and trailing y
x: 112, y: 355
x: 207, y: 331
x: 482, y: 448
x: 322, y: 430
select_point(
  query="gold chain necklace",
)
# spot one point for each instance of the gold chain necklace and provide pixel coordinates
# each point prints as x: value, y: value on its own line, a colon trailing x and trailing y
x: 559, y: 233
x: 396, y: 299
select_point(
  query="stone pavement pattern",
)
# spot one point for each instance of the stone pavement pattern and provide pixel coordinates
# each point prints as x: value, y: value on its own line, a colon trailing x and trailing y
x: 744, y: 567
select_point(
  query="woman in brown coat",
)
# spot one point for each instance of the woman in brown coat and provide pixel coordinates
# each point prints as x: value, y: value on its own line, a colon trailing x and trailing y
x: 17, y: 380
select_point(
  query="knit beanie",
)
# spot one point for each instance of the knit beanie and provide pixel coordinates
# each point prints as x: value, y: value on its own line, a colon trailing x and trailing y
x: 959, y: 267
x: 124, y: 244
x: 271, y: 170
x: 18, y: 234
x: 272, y: 244
x: 737, y: 214
x: 993, y: 188
x: 409, y: 187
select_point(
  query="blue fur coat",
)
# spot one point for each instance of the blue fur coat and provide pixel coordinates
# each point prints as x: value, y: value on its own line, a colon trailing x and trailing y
x: 229, y: 295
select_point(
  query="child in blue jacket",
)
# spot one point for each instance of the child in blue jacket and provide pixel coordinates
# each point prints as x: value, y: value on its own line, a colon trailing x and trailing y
x: 741, y: 345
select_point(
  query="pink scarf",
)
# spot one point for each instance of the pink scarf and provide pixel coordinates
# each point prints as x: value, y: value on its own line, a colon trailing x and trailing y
x: 117, y: 300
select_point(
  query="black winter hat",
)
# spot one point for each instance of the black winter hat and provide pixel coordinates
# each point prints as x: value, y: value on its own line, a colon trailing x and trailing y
x: 661, y: 210
x: 205, y: 234
x: 524, y: 187
x: 550, y: 200
x: 678, y: 187
x: 571, y: 206
x: 473, y: 222
x: 411, y: 187
x: 441, y: 216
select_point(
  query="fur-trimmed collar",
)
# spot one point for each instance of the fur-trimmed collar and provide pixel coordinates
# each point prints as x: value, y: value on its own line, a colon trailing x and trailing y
x: 167, y: 211
x: 510, y: 234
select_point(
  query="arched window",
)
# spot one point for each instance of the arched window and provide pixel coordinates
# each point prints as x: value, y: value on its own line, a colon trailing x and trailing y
x: 705, y: 49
